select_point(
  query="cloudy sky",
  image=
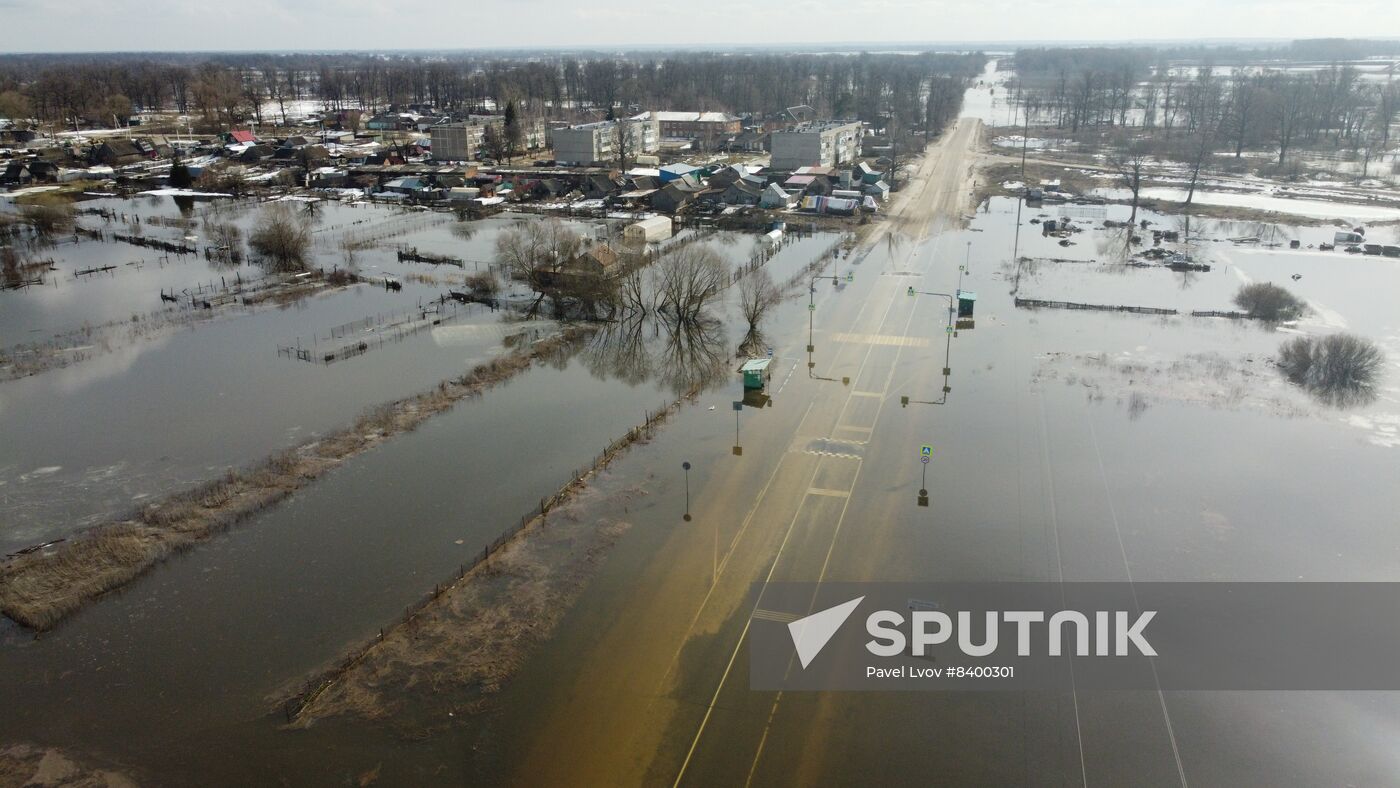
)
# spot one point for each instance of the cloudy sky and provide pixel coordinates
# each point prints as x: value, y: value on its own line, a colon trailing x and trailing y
x: 107, y: 25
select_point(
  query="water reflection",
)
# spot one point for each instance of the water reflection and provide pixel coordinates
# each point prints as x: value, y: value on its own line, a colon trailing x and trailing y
x: 682, y: 355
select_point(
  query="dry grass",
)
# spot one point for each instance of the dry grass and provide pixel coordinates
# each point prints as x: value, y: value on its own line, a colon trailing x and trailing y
x: 41, y: 588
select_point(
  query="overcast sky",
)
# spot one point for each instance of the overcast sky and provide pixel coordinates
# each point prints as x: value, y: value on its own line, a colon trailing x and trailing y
x: 126, y: 25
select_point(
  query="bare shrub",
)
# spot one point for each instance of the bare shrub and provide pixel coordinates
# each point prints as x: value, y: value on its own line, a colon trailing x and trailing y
x: 1338, y: 369
x: 483, y: 283
x: 281, y: 238
x: 47, y: 215
x: 1268, y: 301
x: 341, y: 277
x: 228, y: 179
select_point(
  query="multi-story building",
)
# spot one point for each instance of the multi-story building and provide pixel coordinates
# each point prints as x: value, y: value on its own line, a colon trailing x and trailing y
x: 828, y: 143
x: 715, y: 126
x: 463, y: 141
x: 596, y: 143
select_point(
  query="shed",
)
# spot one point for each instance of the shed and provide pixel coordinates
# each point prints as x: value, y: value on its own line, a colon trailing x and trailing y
x: 755, y: 372
x: 775, y: 197
x: 657, y: 228
x: 966, y: 301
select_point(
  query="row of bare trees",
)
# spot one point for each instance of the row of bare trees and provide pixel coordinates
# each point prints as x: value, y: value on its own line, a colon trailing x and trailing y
x: 1194, y: 111
x: 225, y: 88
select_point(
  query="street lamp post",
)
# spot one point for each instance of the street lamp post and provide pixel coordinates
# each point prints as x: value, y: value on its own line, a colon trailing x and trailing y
x: 686, y: 467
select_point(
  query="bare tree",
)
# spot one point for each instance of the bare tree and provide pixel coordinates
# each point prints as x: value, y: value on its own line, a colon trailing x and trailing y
x: 534, y: 252
x: 1289, y: 104
x: 757, y: 294
x: 689, y: 279
x: 1128, y: 161
x: 623, y: 131
x: 1205, y: 119
x: 1244, y: 101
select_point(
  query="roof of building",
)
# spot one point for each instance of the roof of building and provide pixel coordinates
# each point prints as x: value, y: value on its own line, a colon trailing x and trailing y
x: 602, y: 254
x: 242, y: 136
x: 817, y: 126
x: 747, y: 188
x: 672, y: 116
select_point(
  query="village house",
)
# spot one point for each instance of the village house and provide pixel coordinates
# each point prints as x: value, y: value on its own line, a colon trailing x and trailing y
x: 123, y: 152
x: 676, y: 195
x: 742, y: 192
x: 599, y: 260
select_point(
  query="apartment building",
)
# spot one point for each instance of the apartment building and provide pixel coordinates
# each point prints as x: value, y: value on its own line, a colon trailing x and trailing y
x: 828, y: 143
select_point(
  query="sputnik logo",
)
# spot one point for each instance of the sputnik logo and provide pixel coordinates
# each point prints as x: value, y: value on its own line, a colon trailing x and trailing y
x: 811, y: 633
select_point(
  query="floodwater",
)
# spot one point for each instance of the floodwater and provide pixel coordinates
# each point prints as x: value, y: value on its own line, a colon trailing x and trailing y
x: 1320, y: 209
x: 207, y: 641
x: 1075, y: 445
x: 1141, y: 464
x: 91, y: 441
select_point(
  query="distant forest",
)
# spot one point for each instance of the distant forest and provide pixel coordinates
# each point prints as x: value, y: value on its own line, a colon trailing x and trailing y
x: 1309, y: 94
x: 232, y: 87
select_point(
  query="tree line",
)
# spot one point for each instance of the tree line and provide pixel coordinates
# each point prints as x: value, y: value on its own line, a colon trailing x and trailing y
x: 230, y: 88
x: 1201, y: 108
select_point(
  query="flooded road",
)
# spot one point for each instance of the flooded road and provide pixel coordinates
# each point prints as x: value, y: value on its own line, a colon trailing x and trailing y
x: 1036, y: 478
